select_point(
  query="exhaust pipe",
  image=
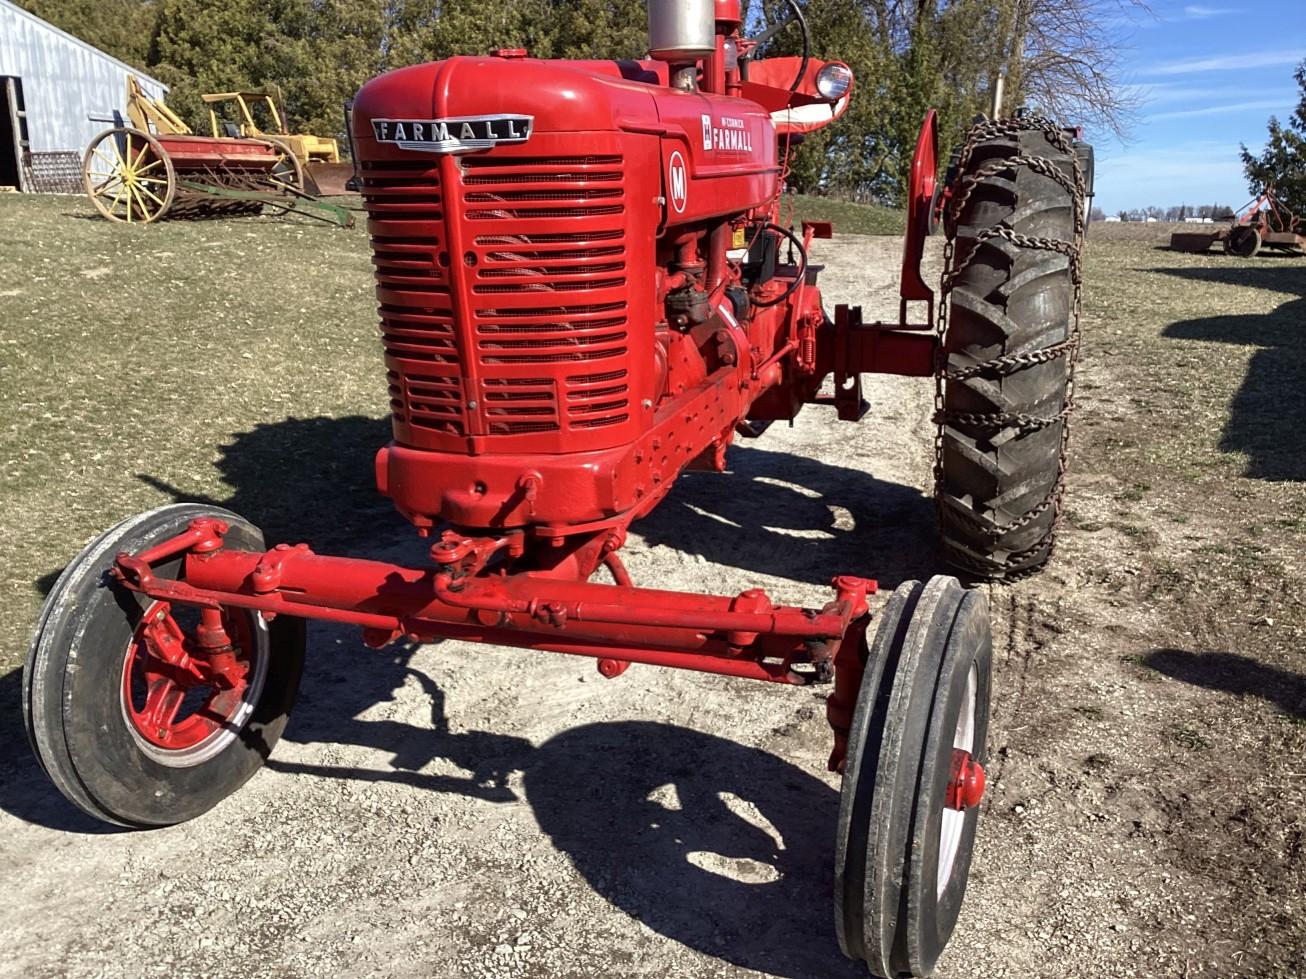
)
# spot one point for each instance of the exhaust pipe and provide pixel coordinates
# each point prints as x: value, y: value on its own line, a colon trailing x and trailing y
x: 680, y: 32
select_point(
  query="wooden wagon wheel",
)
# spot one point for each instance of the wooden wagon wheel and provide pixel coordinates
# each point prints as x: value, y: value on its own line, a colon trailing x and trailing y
x: 288, y: 171
x: 129, y: 176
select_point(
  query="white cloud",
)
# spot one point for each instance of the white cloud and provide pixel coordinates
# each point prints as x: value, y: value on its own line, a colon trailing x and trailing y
x: 1172, y: 93
x: 1217, y: 110
x: 1145, y: 18
x: 1198, y: 12
x: 1228, y: 62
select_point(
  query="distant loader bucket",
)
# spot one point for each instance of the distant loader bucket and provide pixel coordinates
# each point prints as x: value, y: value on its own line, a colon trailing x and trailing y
x: 330, y: 178
x: 1196, y: 242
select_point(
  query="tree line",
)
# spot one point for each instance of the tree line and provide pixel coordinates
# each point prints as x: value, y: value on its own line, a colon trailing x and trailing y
x: 908, y: 55
x: 1176, y: 212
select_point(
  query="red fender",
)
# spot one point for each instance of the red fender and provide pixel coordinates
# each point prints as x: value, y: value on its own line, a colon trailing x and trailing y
x: 920, y: 195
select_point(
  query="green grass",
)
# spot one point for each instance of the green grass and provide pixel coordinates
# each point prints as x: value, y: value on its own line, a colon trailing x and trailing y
x: 848, y: 218
x: 226, y: 360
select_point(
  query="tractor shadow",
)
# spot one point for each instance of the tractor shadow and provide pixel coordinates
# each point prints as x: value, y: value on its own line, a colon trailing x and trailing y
x: 1267, y: 419
x: 796, y: 518
x: 308, y: 480
x: 723, y: 848
x: 311, y: 480
x: 726, y: 849
x: 302, y: 480
x: 345, y: 680
x: 1235, y: 674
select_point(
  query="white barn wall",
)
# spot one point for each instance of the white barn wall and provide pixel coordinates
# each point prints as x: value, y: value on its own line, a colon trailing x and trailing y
x: 65, y: 81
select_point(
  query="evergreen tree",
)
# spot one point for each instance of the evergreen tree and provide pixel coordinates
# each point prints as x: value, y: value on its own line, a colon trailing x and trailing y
x: 1282, y: 164
x: 311, y: 55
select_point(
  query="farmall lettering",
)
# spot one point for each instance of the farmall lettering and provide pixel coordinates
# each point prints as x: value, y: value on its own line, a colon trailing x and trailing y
x: 453, y: 135
x: 678, y: 183
x: 726, y: 135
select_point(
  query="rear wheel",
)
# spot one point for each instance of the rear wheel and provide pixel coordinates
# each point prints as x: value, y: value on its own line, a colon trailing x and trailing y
x: 120, y: 710
x: 128, y: 176
x: 1243, y: 242
x: 914, y: 778
x: 1015, y: 226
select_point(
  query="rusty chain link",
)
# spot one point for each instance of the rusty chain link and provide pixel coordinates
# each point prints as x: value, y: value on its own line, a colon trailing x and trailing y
x: 1001, y: 366
x: 1069, y: 348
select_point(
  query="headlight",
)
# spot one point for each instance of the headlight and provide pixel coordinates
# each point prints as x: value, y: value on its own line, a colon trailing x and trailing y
x: 833, y: 81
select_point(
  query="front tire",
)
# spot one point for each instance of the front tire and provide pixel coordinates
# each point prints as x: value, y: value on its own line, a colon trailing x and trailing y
x: 114, y: 752
x: 1015, y: 228
x: 913, y: 778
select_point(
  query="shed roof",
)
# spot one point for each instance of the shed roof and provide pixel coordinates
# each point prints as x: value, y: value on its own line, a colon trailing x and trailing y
x: 45, y: 25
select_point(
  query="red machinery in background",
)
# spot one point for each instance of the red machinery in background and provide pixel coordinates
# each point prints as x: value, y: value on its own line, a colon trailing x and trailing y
x: 584, y: 291
x: 1264, y: 222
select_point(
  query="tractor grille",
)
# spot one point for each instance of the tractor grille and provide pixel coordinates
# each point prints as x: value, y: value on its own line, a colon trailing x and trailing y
x: 542, y: 276
x: 406, y: 217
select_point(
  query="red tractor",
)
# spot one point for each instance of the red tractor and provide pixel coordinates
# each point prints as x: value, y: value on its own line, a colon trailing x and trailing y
x: 584, y: 291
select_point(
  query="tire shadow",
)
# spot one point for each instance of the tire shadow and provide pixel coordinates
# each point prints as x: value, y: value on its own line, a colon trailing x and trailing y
x: 25, y: 790
x: 793, y: 517
x: 1267, y: 420
x: 726, y: 849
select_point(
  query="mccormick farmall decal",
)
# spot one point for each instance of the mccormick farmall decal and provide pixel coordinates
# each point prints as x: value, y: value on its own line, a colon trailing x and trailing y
x: 458, y: 135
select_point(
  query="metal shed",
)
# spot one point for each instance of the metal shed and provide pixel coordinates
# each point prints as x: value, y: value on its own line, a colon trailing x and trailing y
x: 56, y: 94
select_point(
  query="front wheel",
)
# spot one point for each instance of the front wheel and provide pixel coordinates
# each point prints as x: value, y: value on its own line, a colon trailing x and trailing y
x: 120, y: 710
x: 914, y: 778
x: 129, y: 176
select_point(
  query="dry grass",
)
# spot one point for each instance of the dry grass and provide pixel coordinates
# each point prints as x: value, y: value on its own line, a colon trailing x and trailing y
x: 1194, y: 394
x: 132, y: 359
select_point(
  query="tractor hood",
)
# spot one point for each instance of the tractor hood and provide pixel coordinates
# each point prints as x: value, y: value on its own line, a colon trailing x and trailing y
x: 474, y: 103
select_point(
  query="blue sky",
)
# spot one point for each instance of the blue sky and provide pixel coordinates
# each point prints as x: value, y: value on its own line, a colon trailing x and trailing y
x: 1208, y: 76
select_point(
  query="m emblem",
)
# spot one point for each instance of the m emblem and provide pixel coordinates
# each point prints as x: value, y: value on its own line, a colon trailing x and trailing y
x: 678, y: 183
x: 461, y: 134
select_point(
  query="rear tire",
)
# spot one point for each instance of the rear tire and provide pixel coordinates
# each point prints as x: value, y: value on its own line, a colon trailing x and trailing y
x: 1002, y: 422
x: 82, y: 710
x: 1243, y: 242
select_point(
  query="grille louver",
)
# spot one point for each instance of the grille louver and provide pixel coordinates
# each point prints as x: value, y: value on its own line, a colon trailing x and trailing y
x: 546, y: 276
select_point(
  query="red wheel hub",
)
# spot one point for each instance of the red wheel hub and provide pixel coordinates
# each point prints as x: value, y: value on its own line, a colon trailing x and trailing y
x: 172, y: 694
x: 966, y: 787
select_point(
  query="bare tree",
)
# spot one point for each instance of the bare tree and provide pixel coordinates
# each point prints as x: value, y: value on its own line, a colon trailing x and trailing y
x: 1062, y: 60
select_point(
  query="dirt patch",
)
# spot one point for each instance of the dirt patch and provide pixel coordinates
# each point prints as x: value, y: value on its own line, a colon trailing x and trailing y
x: 460, y: 811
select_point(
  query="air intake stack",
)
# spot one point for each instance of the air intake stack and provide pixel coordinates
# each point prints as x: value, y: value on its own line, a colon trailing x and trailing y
x: 680, y: 32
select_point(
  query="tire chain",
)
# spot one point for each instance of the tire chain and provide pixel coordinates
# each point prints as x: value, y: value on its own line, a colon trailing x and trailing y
x: 1010, y: 569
